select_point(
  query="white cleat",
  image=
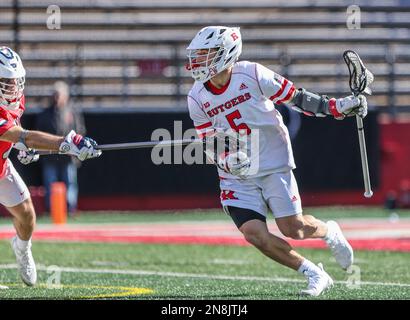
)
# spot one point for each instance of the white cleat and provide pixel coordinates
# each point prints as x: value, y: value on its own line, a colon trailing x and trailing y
x: 3, y: 287
x: 341, y: 249
x: 318, y: 282
x: 25, y: 262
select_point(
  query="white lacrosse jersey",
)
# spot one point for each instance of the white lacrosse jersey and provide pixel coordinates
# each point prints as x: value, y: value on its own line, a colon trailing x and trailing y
x: 247, y: 102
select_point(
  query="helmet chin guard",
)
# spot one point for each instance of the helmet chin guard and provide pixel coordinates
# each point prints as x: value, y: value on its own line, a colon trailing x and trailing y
x: 213, y: 50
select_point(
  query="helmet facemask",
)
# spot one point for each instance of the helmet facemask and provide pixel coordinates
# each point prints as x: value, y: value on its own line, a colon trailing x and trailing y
x: 213, y: 50
x: 11, y: 92
x: 204, y: 63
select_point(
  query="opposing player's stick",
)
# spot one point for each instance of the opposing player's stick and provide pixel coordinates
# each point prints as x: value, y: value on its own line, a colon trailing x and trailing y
x: 136, y: 145
x: 360, y: 79
x: 219, y: 134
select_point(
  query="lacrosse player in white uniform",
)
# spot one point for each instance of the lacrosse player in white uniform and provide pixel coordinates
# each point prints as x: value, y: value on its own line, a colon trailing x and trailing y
x: 14, y: 194
x: 240, y: 96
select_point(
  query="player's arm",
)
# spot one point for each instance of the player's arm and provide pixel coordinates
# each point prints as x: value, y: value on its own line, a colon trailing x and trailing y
x: 281, y: 90
x: 312, y: 104
x: 73, y: 144
x: 32, y: 139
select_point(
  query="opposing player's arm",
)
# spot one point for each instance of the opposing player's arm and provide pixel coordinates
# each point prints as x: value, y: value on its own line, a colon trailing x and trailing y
x: 32, y: 139
x: 73, y: 144
x: 281, y: 90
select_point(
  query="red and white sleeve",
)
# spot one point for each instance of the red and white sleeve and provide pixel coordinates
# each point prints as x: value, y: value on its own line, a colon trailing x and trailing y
x: 273, y: 85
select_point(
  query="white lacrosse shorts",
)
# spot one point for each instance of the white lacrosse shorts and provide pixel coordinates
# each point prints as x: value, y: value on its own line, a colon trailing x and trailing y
x: 13, y: 190
x: 276, y: 191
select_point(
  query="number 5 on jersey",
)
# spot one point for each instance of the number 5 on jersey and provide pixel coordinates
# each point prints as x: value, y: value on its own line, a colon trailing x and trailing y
x: 237, y: 127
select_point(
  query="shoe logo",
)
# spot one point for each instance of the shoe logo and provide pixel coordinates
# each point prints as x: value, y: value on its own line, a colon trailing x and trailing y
x: 243, y: 86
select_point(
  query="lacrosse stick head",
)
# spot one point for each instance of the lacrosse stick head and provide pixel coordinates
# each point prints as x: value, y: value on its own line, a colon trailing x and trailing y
x: 360, y: 76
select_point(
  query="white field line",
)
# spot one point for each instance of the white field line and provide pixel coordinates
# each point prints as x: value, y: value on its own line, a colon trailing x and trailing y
x: 195, y: 275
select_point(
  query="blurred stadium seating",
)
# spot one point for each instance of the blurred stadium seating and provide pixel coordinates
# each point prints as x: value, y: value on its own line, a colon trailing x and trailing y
x: 132, y: 53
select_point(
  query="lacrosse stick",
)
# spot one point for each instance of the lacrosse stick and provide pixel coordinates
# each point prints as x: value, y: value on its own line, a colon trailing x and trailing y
x: 135, y: 145
x: 220, y: 136
x: 360, y: 79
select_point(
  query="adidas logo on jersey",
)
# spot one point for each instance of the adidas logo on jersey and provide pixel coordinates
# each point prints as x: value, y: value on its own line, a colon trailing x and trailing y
x: 243, y: 86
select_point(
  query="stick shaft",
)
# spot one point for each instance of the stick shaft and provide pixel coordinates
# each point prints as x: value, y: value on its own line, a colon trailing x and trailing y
x: 147, y: 144
x: 137, y: 145
x: 363, y: 155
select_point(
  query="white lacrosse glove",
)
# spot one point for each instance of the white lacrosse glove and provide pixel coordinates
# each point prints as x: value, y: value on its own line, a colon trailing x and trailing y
x: 350, y: 106
x: 82, y: 147
x: 236, y: 163
x: 27, y: 157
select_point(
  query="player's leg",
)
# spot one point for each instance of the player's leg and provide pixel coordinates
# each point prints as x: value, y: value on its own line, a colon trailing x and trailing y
x: 15, y: 196
x: 24, y: 219
x: 301, y: 227
x: 254, y: 228
x: 284, y: 200
x: 242, y: 200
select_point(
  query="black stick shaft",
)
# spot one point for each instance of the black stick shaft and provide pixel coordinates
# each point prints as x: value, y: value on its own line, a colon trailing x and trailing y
x: 136, y: 145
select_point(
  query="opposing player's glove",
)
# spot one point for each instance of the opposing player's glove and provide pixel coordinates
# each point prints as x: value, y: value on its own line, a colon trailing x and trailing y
x: 27, y: 157
x: 82, y: 147
x: 348, y: 106
x: 236, y: 163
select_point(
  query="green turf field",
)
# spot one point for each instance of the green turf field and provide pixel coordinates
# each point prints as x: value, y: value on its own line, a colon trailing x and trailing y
x: 154, y: 271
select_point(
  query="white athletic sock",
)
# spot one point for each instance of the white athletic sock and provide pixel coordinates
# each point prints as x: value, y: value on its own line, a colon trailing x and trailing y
x: 308, y: 266
x: 22, y: 244
x: 330, y: 234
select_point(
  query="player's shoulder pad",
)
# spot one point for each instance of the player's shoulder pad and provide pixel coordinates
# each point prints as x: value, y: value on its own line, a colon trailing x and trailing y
x: 245, y: 66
